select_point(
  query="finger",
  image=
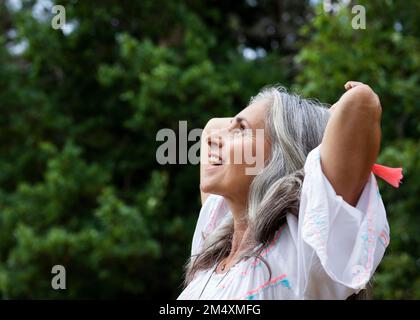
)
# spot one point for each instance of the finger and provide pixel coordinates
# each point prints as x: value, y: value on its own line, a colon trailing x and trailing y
x: 352, y: 84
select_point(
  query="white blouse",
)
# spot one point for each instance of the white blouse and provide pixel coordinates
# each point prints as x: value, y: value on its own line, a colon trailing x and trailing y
x: 331, y: 252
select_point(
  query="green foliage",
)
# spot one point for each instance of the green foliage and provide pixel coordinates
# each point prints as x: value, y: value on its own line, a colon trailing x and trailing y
x: 381, y: 55
x: 79, y: 182
x: 398, y: 276
x: 72, y: 217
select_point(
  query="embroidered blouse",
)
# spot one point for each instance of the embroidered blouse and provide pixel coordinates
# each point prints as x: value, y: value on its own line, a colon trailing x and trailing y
x: 330, y: 252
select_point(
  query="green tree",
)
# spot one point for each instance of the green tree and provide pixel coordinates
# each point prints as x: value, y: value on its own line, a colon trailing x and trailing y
x: 80, y: 108
x: 80, y: 185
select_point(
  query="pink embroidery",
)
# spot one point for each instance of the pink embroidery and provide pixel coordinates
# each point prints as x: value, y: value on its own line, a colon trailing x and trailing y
x: 384, y: 237
x: 265, y: 252
x: 362, y: 273
x: 253, y: 292
x: 273, y: 242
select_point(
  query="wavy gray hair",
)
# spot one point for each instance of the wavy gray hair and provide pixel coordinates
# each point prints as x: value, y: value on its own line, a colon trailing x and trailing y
x: 295, y: 127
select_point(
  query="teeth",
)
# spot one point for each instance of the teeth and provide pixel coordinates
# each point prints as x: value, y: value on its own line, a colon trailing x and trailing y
x: 214, y: 160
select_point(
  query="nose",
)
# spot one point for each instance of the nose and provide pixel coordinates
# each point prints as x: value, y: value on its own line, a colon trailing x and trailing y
x: 215, y: 138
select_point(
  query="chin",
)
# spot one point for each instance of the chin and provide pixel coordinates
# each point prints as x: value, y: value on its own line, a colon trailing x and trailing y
x: 211, y: 187
x: 206, y: 187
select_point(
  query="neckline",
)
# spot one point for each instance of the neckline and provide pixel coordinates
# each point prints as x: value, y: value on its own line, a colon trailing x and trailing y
x: 218, y: 275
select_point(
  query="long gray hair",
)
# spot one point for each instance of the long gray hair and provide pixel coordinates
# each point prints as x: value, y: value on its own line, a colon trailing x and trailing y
x: 295, y: 126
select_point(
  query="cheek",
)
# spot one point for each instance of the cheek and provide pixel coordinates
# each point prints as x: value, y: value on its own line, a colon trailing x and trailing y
x: 236, y: 177
x: 240, y: 151
x: 249, y: 154
x: 235, y: 181
x: 232, y: 178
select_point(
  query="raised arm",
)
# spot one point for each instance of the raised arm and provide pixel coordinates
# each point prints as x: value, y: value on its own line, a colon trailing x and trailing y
x: 351, y: 141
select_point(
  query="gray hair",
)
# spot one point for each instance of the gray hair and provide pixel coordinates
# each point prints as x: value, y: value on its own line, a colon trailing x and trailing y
x: 295, y: 127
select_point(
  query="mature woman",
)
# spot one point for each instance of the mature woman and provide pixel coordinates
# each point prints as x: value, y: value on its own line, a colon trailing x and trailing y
x: 311, y: 224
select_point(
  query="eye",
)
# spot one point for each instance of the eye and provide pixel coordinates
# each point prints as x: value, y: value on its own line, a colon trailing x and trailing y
x: 238, y: 127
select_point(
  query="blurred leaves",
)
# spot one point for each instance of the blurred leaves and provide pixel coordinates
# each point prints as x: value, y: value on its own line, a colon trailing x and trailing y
x: 79, y: 113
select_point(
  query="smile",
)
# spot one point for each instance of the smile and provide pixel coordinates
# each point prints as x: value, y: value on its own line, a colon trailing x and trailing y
x: 215, y: 160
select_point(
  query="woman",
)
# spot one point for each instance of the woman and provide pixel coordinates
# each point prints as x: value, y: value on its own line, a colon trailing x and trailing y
x: 311, y: 224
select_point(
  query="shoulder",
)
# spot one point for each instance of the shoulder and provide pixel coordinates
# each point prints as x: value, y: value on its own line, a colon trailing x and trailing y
x: 312, y: 160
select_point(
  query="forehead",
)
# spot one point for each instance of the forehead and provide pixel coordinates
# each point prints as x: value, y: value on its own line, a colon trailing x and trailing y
x: 255, y: 114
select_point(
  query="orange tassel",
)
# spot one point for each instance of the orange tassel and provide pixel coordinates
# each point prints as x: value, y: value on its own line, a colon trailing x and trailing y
x: 391, y: 175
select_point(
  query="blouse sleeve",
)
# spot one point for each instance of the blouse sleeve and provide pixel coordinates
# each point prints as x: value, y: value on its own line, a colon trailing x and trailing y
x: 338, y: 246
x: 213, y: 211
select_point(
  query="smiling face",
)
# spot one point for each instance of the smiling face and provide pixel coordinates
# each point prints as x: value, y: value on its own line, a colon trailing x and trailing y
x: 234, y: 151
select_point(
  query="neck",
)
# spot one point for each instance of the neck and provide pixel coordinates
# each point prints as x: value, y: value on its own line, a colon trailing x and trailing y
x: 240, y: 224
